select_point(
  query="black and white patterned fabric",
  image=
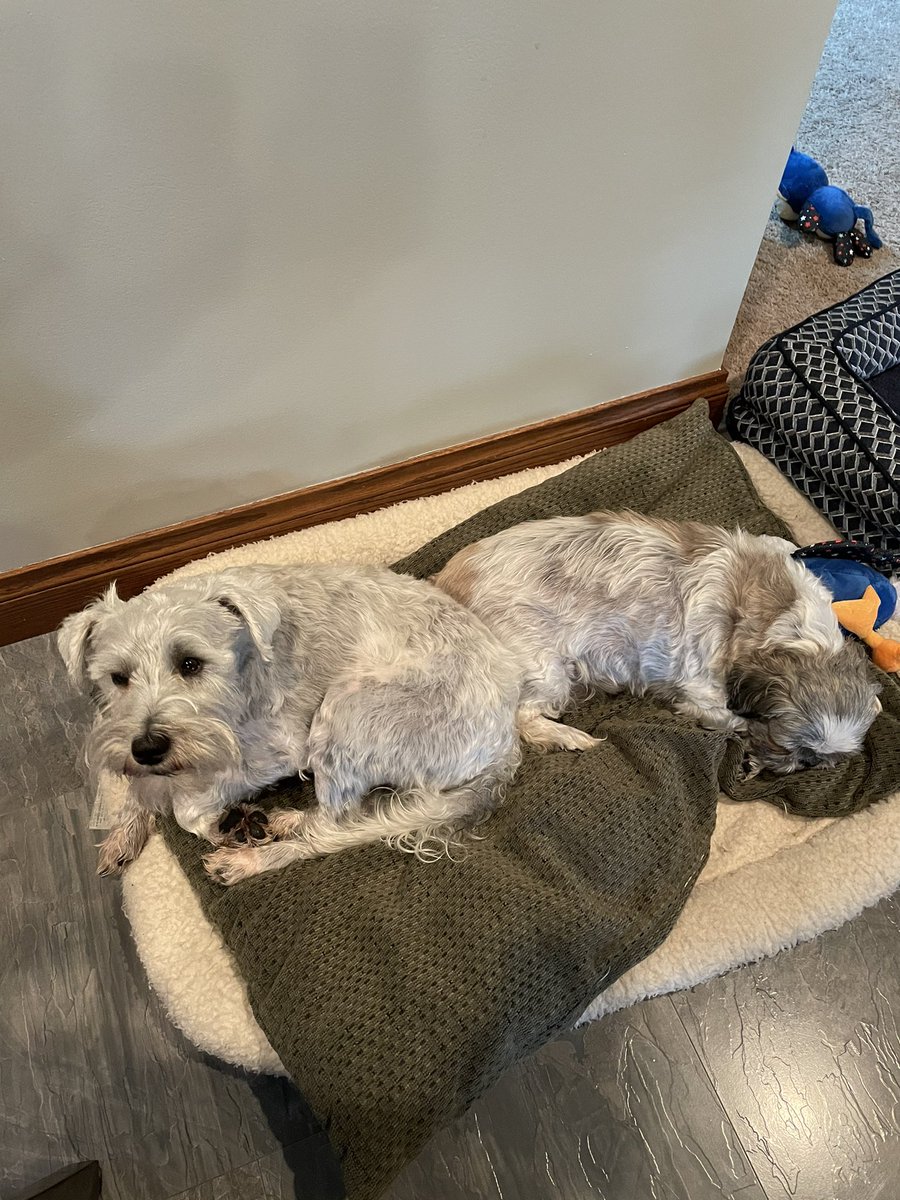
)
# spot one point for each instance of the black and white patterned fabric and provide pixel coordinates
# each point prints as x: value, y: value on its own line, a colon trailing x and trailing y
x: 806, y: 405
x: 873, y: 345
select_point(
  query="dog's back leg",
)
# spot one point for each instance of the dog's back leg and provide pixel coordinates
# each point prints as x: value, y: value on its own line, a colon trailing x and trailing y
x: 549, y: 686
x: 545, y: 734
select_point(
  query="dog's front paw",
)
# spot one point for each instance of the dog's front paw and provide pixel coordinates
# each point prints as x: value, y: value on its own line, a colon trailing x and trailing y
x: 116, y: 852
x: 244, y: 825
x: 750, y: 767
x: 722, y: 720
x: 231, y: 865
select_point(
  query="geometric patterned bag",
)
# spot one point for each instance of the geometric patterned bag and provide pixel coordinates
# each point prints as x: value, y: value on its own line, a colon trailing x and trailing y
x: 822, y: 401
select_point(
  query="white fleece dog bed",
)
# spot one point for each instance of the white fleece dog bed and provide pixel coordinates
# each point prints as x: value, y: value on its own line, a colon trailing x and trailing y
x: 772, y: 880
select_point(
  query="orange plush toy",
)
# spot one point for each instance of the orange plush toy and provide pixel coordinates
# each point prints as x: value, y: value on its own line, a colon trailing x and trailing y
x: 859, y: 617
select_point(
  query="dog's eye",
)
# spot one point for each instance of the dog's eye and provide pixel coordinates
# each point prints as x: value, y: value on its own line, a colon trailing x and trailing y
x: 809, y: 758
x: 119, y: 679
x: 189, y: 666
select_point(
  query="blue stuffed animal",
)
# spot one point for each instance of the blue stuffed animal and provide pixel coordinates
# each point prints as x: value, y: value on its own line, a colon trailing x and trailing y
x: 864, y: 597
x: 805, y: 196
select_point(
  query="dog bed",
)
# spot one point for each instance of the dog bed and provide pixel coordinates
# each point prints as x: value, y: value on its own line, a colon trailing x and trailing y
x: 394, y: 994
x: 822, y: 401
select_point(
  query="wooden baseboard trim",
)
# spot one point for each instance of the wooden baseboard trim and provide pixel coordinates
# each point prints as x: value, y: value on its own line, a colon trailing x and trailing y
x: 34, y: 599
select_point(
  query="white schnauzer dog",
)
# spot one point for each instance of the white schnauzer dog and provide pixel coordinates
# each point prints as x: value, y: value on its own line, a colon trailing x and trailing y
x: 725, y: 627
x: 212, y: 688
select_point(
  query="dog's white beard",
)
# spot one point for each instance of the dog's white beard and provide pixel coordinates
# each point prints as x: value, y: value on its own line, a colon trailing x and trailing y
x: 200, y: 745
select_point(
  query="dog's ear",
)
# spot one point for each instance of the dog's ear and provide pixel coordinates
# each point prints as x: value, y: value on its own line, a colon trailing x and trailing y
x: 803, y: 628
x: 751, y: 691
x: 74, y: 637
x: 259, y: 612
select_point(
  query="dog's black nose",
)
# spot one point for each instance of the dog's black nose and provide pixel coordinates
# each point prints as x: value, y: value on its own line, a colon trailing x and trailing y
x: 150, y: 748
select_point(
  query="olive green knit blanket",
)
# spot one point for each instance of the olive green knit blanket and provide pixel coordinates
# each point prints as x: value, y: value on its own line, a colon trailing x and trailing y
x: 396, y: 992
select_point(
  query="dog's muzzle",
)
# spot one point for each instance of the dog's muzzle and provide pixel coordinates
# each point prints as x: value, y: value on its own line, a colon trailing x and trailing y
x: 150, y: 748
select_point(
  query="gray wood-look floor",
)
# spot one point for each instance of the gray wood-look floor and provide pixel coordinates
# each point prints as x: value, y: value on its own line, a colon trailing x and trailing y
x: 781, y: 1080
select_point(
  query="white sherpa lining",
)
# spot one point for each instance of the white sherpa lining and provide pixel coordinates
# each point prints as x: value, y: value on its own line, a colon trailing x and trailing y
x: 772, y: 880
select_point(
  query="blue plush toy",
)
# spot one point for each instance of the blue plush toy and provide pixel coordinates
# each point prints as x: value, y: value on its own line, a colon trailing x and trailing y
x: 864, y: 597
x: 805, y: 196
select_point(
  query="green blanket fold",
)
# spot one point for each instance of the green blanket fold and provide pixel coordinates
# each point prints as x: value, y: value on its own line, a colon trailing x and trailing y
x: 396, y: 992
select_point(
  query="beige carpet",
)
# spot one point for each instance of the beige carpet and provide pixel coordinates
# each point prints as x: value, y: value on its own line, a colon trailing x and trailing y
x: 852, y: 126
x: 772, y: 880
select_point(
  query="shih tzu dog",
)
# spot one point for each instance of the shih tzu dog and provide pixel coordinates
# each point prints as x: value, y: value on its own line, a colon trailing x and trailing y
x: 725, y: 627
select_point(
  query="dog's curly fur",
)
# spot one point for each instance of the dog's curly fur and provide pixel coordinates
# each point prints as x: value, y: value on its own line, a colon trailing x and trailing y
x: 724, y: 626
x: 212, y: 688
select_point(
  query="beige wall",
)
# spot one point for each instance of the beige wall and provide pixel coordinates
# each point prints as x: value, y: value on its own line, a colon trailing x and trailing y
x: 249, y: 246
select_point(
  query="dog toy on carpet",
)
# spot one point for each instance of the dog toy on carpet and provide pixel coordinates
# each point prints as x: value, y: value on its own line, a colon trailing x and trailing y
x: 805, y: 196
x: 864, y: 598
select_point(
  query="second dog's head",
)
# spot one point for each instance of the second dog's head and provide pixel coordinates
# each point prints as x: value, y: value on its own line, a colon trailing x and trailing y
x: 173, y: 672
x: 804, y: 708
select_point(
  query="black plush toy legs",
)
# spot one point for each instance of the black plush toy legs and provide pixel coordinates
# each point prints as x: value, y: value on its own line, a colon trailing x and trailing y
x: 848, y: 246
